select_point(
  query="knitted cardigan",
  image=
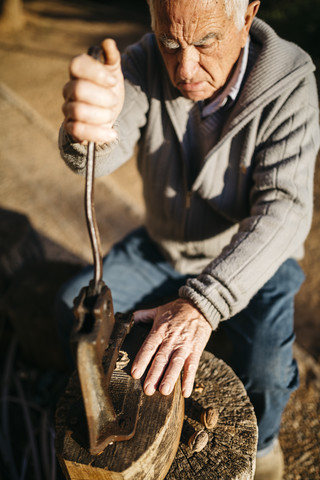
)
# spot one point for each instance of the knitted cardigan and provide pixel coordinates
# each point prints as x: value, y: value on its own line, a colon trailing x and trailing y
x: 250, y: 206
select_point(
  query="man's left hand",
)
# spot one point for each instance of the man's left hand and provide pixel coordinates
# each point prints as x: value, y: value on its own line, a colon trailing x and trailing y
x: 177, y: 339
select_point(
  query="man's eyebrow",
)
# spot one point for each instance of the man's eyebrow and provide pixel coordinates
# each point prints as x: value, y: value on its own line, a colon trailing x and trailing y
x: 209, y: 36
x: 168, y: 42
x: 173, y: 44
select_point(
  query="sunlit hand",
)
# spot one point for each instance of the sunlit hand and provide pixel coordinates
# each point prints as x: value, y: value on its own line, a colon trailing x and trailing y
x: 177, y: 339
x: 94, y: 96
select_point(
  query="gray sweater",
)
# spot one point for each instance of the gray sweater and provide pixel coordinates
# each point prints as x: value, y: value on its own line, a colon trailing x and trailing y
x: 249, y: 208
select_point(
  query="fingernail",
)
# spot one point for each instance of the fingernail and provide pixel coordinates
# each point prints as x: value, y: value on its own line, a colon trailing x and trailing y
x: 186, y: 392
x: 165, y: 389
x: 136, y: 373
x: 149, y: 389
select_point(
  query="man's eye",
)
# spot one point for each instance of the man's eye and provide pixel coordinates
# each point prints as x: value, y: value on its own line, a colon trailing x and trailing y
x: 205, y: 46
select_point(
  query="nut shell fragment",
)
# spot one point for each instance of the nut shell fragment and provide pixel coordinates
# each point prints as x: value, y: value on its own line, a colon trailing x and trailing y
x: 198, y: 441
x: 198, y: 388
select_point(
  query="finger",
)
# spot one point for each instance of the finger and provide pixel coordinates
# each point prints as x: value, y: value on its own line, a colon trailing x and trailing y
x: 173, y: 371
x: 144, y: 316
x: 87, y: 68
x: 189, y: 373
x: 157, y: 370
x: 82, y: 112
x: 145, y: 354
x: 113, y: 57
x: 99, y: 134
x: 88, y: 92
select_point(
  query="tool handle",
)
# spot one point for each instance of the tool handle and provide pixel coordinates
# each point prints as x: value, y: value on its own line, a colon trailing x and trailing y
x: 96, y: 52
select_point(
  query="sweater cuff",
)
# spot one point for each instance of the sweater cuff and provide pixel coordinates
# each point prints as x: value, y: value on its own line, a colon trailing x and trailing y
x: 208, y: 310
x: 75, y: 154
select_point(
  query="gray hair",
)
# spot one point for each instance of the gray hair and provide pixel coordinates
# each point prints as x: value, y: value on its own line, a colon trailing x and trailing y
x: 234, y: 8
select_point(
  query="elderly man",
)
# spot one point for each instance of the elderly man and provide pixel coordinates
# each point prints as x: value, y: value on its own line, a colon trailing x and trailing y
x: 225, y: 115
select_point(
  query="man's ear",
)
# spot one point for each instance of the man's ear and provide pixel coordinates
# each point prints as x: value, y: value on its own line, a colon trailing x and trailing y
x: 251, y: 12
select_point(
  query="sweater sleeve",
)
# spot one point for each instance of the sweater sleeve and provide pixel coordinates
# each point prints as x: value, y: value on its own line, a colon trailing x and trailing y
x: 281, y: 201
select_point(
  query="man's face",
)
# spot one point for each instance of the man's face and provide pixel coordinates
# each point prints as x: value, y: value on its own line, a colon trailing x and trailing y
x: 199, y: 44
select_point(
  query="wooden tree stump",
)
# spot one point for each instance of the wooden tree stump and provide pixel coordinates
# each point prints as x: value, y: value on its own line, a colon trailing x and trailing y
x: 229, y: 454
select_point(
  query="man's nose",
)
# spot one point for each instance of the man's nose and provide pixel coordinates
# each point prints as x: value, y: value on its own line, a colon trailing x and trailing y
x: 188, y: 63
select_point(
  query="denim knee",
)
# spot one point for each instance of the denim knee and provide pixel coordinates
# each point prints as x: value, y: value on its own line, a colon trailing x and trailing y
x: 270, y: 369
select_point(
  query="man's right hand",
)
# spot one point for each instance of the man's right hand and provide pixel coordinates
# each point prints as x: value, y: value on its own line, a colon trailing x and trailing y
x: 94, y: 96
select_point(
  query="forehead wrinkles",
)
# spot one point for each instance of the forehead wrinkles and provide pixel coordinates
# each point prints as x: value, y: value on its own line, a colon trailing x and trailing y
x: 190, y: 20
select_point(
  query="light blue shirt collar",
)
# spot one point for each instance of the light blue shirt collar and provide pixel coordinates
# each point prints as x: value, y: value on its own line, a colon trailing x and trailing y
x: 232, y: 88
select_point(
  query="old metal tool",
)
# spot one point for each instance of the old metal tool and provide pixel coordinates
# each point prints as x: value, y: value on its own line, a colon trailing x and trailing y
x: 97, y: 338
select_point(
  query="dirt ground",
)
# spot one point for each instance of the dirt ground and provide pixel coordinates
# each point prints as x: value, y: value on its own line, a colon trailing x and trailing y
x: 34, y: 181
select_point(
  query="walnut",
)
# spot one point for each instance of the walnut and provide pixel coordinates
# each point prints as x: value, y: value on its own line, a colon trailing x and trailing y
x: 198, y: 441
x: 209, y: 417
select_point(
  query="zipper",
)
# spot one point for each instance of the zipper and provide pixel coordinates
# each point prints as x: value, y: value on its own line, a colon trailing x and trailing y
x: 189, y: 194
x: 188, y: 199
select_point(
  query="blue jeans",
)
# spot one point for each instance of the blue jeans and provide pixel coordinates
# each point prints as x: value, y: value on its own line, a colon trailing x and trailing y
x: 260, y: 336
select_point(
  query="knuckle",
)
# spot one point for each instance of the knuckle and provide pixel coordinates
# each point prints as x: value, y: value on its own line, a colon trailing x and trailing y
x: 75, y: 129
x: 161, y: 360
x: 153, y: 377
x: 75, y: 63
x: 75, y: 110
x: 178, y: 360
x: 192, y: 367
x: 65, y: 109
x: 106, y: 116
x: 149, y: 347
x: 111, y: 100
x: 82, y: 112
x: 65, y: 90
x: 101, y: 76
x: 172, y: 375
x: 78, y: 90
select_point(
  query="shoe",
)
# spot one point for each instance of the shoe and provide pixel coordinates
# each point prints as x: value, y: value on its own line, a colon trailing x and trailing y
x: 271, y: 465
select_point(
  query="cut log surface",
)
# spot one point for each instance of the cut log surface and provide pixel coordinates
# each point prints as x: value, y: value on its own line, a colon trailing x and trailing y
x: 229, y: 454
x: 231, y: 450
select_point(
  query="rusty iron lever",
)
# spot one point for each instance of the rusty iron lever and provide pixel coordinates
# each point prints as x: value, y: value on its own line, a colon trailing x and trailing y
x: 97, y: 53
x: 97, y: 338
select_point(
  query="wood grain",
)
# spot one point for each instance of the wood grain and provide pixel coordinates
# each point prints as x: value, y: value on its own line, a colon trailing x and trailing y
x: 231, y: 450
x: 147, y: 456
